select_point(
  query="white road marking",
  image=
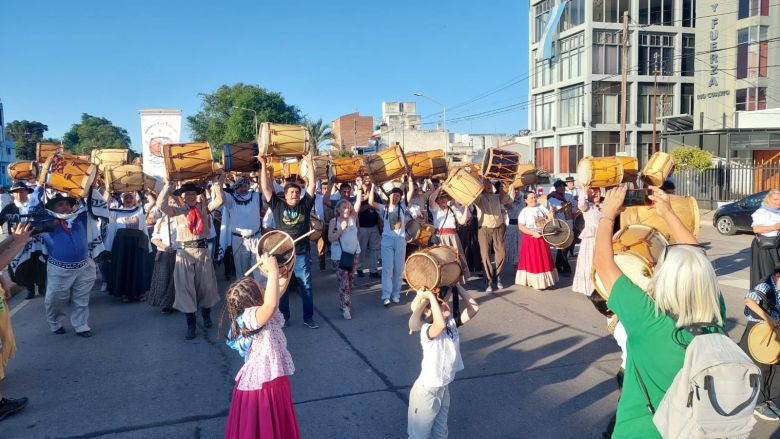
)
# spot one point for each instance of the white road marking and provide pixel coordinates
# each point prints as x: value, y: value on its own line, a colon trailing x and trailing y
x: 16, y: 309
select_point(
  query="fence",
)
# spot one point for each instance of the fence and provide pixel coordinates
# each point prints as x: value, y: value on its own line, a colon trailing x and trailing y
x: 727, y: 181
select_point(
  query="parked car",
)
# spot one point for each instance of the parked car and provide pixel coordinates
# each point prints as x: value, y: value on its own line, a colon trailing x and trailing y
x: 735, y: 217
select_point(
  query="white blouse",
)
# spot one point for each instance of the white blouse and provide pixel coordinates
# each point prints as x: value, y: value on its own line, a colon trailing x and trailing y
x: 446, y: 218
x: 528, y: 215
x: 764, y: 217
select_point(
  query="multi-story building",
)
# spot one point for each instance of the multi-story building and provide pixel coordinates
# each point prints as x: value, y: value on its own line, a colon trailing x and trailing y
x: 575, y: 84
x: 352, y: 130
x: 401, y: 126
x: 7, y: 152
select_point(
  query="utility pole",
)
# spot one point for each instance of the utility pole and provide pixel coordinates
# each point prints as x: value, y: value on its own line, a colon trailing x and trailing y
x: 624, y: 85
x: 354, y: 133
x: 655, y: 101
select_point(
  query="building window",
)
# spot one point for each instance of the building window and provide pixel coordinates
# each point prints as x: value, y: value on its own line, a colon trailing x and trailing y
x: 609, y: 11
x: 573, y: 15
x: 571, y: 151
x: 750, y: 8
x: 686, y: 99
x: 606, y: 102
x: 664, y: 102
x: 541, y: 12
x: 688, y: 54
x: 605, y: 144
x: 543, y: 71
x: 752, y: 48
x: 571, y: 106
x: 656, y: 51
x: 646, y: 147
x: 751, y: 99
x: 688, y: 13
x: 571, y: 52
x: 656, y: 12
x: 543, y: 110
x: 607, y: 56
x: 544, y: 154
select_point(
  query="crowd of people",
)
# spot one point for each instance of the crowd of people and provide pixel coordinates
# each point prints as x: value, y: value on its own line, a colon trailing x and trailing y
x: 165, y: 248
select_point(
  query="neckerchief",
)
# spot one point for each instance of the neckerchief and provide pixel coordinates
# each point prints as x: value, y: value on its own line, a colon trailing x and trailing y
x: 241, y: 201
x: 63, y: 223
x: 194, y: 221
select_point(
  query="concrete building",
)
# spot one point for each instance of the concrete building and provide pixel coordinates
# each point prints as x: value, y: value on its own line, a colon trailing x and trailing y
x: 401, y: 126
x: 576, y: 58
x: 7, y: 152
x: 352, y: 130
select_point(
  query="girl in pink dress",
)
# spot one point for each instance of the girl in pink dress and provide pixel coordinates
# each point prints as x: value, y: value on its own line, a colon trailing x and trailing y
x: 261, y: 406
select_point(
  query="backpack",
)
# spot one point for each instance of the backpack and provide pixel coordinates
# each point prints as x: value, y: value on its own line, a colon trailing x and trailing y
x: 713, y: 395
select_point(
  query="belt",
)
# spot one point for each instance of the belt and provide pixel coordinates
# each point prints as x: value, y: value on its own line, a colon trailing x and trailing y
x: 513, y: 222
x: 245, y: 237
x: 67, y: 265
x: 446, y: 231
x: 198, y: 243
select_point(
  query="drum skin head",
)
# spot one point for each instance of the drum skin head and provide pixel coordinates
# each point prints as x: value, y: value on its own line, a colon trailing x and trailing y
x: 764, y: 344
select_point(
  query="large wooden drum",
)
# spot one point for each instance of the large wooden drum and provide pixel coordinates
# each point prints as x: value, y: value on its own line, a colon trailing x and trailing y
x: 433, y: 268
x: 764, y: 344
x: 109, y: 157
x: 500, y: 164
x: 600, y: 171
x: 68, y: 173
x: 126, y: 178
x: 526, y: 175
x: 188, y: 161
x: 419, y: 233
x: 44, y: 150
x: 276, y: 167
x: 558, y: 234
x: 686, y: 208
x: 463, y: 187
x: 240, y: 157
x: 386, y: 165
x: 24, y: 170
x: 284, y: 254
x: 318, y: 226
x: 630, y: 168
x: 290, y: 169
x: 321, y: 163
x: 347, y: 169
x: 280, y: 140
x: 657, y: 169
x: 427, y: 164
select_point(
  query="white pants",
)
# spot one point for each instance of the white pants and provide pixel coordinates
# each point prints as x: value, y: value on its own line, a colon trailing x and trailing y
x: 393, y: 257
x: 244, y: 253
x: 428, y: 411
x: 370, y: 245
x: 63, y: 286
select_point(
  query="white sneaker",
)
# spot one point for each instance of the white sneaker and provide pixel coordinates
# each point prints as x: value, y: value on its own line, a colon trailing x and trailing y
x: 103, y: 287
x: 396, y: 300
x: 346, y: 313
x: 386, y: 302
x: 499, y: 285
x: 489, y: 289
x: 764, y: 411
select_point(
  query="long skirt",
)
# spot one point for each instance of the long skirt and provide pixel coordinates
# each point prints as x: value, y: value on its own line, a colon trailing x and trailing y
x: 536, y: 268
x: 267, y: 413
x: 8, y: 348
x: 129, y: 263
x: 762, y: 262
x: 162, y: 291
x: 468, y: 238
x: 512, y: 239
x: 583, y: 282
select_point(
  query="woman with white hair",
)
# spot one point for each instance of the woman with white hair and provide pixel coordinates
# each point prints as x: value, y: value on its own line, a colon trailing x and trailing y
x: 683, y: 291
x: 765, y: 249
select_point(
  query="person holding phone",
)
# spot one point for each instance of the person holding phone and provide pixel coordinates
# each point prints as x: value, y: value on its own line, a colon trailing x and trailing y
x: 343, y: 234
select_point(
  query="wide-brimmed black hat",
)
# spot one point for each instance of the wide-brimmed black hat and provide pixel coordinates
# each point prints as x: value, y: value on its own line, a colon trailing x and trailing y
x: 187, y: 187
x: 59, y: 197
x: 20, y: 186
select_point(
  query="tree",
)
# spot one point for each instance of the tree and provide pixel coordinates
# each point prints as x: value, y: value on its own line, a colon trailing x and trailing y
x: 92, y: 133
x: 25, y: 135
x: 691, y: 157
x: 319, y: 133
x: 219, y: 121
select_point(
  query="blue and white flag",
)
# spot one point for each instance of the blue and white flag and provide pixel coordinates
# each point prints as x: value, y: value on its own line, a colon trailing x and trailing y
x: 551, y: 29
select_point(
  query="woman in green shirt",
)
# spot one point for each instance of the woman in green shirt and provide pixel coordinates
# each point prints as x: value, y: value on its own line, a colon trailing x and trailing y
x: 683, y: 290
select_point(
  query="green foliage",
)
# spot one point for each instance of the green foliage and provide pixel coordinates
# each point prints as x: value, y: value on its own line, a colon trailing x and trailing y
x: 319, y: 133
x: 92, y: 133
x: 344, y: 152
x: 25, y: 135
x: 219, y: 122
x: 691, y: 157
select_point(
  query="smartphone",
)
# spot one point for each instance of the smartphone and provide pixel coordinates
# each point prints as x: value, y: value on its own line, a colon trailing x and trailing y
x: 637, y: 197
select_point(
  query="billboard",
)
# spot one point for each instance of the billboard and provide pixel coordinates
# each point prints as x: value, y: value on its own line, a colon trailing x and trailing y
x: 158, y: 127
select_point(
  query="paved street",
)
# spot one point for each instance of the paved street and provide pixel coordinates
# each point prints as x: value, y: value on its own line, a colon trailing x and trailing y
x: 537, y: 365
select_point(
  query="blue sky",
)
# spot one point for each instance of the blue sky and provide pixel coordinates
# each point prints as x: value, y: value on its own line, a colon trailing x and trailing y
x: 111, y: 58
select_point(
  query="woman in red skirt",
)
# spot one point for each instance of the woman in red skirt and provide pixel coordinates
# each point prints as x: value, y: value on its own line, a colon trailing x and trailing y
x: 535, y: 268
x: 261, y: 406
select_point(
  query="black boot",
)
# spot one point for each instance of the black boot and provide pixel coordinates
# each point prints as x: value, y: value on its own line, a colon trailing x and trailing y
x: 206, y: 313
x: 190, y: 326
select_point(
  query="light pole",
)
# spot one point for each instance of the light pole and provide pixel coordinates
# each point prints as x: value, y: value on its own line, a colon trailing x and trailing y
x: 253, y: 112
x: 443, y: 117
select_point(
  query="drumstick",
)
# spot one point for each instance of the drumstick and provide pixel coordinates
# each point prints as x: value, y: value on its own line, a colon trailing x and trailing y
x: 279, y: 245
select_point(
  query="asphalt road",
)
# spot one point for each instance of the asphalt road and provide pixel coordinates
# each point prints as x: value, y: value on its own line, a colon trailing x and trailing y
x: 537, y: 365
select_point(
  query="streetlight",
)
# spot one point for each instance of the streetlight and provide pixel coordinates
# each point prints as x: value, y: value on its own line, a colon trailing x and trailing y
x: 253, y: 111
x: 444, y: 117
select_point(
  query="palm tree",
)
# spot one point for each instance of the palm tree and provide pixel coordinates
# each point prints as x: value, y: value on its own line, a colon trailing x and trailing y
x: 319, y: 133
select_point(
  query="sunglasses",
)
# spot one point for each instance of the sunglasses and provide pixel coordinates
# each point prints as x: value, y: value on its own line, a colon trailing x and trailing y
x: 666, y: 250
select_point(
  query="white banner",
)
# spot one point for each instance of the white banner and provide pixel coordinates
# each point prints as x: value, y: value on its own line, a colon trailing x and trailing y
x: 158, y: 127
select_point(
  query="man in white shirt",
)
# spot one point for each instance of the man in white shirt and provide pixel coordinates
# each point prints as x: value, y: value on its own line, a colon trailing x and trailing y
x: 241, y: 214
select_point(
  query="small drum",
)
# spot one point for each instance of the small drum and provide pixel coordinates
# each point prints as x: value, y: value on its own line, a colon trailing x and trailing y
x: 290, y: 169
x: 642, y: 240
x: 45, y: 150
x: 500, y: 164
x: 318, y: 226
x: 432, y: 268
x: 579, y: 221
x: 346, y: 169
x: 463, y: 187
x: 188, y: 161
x: 686, y: 208
x: 600, y: 171
x: 279, y: 140
x: 125, y: 178
x: 386, y: 165
x: 424, y: 236
x: 412, y: 230
x: 630, y: 168
x: 423, y: 165
x: 764, y: 344
x: 109, y: 157
x: 240, y: 157
x: 526, y: 175
x: 321, y: 163
x: 68, y: 173
x: 635, y: 267
x: 285, y: 254
x: 657, y: 169
x: 558, y: 234
x: 26, y: 170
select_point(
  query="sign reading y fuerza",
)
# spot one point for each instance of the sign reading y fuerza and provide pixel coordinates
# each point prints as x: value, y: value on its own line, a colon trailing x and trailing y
x: 713, y: 61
